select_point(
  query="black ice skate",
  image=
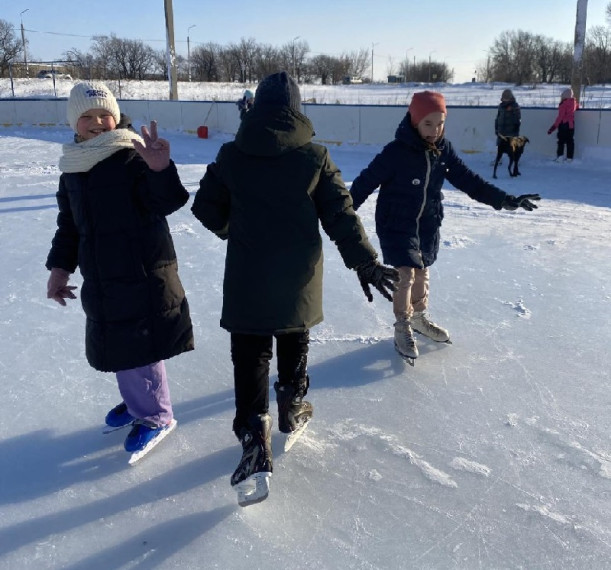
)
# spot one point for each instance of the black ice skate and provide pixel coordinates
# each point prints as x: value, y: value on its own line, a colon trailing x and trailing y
x: 294, y: 412
x: 251, y: 478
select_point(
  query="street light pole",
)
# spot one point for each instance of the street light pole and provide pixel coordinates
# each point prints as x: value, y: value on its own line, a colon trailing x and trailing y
x: 372, y: 46
x: 25, y: 57
x: 294, y: 63
x: 189, y: 51
x: 430, y: 54
x: 406, y: 70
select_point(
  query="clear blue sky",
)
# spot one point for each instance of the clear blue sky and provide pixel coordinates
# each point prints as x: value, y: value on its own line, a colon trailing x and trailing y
x: 457, y: 32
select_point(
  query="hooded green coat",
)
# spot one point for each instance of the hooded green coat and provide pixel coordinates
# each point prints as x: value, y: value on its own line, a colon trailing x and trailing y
x: 266, y: 193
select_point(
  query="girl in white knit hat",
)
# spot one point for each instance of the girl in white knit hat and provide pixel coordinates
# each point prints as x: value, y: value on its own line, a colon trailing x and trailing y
x: 115, y: 191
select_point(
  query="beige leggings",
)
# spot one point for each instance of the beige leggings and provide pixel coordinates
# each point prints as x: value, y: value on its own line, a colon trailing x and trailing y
x: 412, y: 294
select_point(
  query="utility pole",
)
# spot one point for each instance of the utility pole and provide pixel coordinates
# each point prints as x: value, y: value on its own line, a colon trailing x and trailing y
x: 294, y: 65
x: 171, y: 51
x: 189, y: 51
x: 372, y: 46
x: 25, y: 57
x: 580, y: 38
x: 430, y: 54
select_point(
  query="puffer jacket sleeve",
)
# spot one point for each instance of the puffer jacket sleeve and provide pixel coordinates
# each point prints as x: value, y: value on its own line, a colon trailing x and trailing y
x: 162, y: 191
x: 338, y: 218
x: 380, y: 170
x: 464, y: 179
x: 64, y: 246
x: 212, y: 201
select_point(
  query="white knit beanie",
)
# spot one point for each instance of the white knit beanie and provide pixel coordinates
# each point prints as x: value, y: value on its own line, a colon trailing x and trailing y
x: 91, y: 95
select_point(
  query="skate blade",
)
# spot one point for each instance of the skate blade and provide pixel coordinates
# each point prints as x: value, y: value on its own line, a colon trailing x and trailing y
x: 138, y: 455
x: 253, y: 489
x: 292, y: 437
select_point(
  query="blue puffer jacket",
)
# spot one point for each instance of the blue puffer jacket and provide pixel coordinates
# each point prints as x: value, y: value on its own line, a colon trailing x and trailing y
x: 409, y: 210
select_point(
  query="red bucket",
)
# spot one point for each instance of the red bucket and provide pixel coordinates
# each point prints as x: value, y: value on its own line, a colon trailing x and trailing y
x: 202, y: 132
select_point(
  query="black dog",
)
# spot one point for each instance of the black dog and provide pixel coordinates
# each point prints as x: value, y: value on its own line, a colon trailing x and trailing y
x: 513, y: 147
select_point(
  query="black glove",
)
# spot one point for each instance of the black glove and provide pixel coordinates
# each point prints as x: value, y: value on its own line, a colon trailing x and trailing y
x: 378, y: 275
x: 524, y: 201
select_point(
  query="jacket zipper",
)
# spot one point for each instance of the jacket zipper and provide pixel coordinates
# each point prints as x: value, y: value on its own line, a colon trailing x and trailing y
x: 426, y: 187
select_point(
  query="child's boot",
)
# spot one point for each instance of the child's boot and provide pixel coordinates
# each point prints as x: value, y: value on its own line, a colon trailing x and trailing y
x: 421, y: 323
x: 405, y: 343
x: 251, y: 477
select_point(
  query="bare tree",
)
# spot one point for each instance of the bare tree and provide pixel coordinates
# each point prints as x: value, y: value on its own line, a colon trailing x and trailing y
x: 359, y: 61
x: 512, y: 57
x: 129, y: 59
x: 597, y: 57
x: 246, y: 54
x: 205, y: 62
x: 322, y: 68
x: 268, y: 61
x: 229, y: 65
x: 551, y: 59
x: 80, y: 65
x: 10, y: 47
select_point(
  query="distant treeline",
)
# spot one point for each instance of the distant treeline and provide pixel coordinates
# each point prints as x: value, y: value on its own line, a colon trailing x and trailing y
x: 515, y: 57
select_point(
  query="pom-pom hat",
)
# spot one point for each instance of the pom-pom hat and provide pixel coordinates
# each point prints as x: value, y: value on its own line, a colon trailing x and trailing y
x: 424, y: 103
x: 91, y: 95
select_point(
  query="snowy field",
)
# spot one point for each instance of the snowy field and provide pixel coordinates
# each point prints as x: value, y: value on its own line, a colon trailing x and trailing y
x: 492, y: 452
x: 469, y: 94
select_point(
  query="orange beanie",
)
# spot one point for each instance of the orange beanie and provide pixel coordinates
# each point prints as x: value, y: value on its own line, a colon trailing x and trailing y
x: 424, y: 103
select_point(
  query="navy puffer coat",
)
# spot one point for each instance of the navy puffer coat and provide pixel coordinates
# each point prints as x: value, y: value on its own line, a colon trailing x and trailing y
x: 409, y: 209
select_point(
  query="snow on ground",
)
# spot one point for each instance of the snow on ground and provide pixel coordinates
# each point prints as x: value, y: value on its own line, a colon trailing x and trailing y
x: 468, y: 94
x: 492, y: 452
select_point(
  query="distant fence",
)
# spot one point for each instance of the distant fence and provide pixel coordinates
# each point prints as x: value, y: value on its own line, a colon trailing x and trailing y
x: 471, y: 129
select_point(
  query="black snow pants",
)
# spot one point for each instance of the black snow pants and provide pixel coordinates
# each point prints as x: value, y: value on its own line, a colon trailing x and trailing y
x: 251, y: 355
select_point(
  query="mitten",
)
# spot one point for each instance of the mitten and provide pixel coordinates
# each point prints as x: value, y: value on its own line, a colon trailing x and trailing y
x: 57, y: 286
x: 550, y: 130
x: 381, y: 277
x: 523, y: 201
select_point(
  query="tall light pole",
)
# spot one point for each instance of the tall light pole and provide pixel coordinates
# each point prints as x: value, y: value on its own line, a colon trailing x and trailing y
x: 372, y: 46
x: 189, y: 51
x: 430, y: 54
x: 294, y: 64
x: 407, y: 62
x: 25, y: 57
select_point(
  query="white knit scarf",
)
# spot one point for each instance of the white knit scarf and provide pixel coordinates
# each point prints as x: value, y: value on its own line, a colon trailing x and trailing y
x: 83, y: 156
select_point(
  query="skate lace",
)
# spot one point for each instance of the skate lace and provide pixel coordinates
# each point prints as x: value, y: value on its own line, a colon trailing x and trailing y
x: 407, y: 334
x: 423, y: 321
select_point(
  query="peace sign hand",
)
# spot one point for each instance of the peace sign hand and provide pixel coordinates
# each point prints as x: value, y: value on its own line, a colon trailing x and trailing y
x: 154, y: 151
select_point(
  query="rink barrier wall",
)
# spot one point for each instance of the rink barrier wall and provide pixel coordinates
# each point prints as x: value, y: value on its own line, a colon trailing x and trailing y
x: 471, y: 129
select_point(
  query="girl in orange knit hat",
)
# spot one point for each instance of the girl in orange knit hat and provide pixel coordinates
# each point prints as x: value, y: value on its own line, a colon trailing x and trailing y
x: 410, y: 172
